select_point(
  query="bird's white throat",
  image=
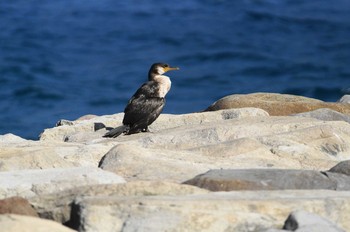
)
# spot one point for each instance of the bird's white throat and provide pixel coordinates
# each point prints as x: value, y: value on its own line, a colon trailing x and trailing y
x: 164, y: 84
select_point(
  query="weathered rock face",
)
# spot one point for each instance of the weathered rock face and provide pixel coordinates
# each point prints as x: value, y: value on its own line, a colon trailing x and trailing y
x: 269, y: 179
x: 57, y: 205
x: 279, y: 142
x: 221, y: 211
x: 16, y: 223
x: 277, y: 104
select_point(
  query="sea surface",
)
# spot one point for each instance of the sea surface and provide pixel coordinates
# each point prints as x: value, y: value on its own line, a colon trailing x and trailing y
x: 67, y: 58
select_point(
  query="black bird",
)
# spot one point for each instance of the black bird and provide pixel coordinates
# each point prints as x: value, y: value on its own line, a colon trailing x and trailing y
x: 146, y: 104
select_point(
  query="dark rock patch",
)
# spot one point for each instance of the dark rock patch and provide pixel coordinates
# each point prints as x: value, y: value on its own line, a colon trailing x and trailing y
x: 269, y: 179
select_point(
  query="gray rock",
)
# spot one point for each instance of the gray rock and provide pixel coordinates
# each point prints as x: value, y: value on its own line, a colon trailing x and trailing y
x: 342, y: 167
x: 345, y: 99
x: 29, y: 183
x: 268, y: 179
x: 303, y: 221
x: 326, y: 115
x: 342, y: 181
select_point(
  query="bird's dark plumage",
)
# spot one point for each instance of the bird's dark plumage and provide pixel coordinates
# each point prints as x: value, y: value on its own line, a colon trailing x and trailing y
x: 146, y: 104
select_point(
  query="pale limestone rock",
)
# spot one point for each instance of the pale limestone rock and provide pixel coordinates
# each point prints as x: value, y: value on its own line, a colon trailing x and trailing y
x: 83, y: 131
x: 178, y: 154
x: 29, y: 183
x: 222, y: 211
x: 183, y: 146
x: 11, y: 138
x: 86, y: 147
x: 27, y: 154
x: 57, y: 205
x: 16, y: 223
x: 60, y: 133
x: 345, y: 99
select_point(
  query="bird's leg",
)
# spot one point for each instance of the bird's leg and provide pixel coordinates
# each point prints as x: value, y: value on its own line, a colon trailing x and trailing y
x: 145, y: 129
x: 126, y: 130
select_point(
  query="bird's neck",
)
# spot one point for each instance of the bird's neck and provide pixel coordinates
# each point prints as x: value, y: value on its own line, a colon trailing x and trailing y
x: 164, y: 84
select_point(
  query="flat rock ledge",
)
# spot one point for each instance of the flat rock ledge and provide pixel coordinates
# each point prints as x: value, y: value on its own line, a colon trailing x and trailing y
x: 257, y: 162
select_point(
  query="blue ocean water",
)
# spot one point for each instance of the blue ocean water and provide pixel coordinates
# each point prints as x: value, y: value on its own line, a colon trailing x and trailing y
x: 67, y: 58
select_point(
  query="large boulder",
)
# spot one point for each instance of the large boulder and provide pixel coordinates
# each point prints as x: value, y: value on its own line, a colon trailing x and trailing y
x: 276, y: 104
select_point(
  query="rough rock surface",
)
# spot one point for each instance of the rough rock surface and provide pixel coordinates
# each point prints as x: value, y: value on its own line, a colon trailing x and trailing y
x: 17, y: 205
x: 59, y: 174
x: 219, y: 211
x: 276, y: 104
x: 16, y: 223
x: 269, y: 179
x: 57, y: 205
x: 29, y: 183
x: 258, y: 142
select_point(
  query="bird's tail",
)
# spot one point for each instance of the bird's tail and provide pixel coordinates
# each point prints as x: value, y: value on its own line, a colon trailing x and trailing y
x: 116, y: 131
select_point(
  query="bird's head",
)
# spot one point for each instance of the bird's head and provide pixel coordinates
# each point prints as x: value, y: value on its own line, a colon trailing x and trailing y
x: 159, y: 69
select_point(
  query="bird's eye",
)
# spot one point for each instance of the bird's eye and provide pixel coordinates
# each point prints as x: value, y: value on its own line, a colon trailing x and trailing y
x: 166, y: 65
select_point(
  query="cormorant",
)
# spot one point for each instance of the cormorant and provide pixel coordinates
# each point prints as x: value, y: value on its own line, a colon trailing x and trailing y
x: 146, y: 104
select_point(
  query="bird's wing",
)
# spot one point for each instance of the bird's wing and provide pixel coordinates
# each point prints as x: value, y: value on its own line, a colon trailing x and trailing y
x: 143, y: 108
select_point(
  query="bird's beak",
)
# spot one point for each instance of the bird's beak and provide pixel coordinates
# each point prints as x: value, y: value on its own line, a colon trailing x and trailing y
x: 170, y: 68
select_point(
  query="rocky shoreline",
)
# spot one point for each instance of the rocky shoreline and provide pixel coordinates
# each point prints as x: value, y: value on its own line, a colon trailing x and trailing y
x: 256, y: 162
